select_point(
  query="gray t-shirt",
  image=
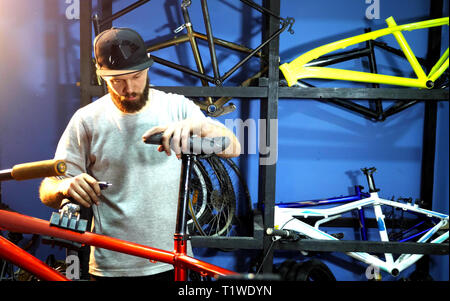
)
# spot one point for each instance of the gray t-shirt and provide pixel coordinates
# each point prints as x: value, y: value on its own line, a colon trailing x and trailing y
x: 141, y: 204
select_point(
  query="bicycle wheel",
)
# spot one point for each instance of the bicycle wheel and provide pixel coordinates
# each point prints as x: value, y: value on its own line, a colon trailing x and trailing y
x: 313, y: 270
x: 212, y: 203
x: 198, y: 193
x: 243, y: 214
x: 310, y: 270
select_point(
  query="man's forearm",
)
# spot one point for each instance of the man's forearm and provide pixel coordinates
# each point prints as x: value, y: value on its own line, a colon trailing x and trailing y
x: 50, y: 192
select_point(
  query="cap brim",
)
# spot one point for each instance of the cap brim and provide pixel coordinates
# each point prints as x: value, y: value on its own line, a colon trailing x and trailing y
x: 140, y: 67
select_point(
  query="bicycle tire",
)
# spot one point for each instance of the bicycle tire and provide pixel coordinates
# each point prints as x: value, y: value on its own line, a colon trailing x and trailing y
x: 217, y: 210
x: 284, y: 269
x: 313, y: 270
x: 243, y: 214
x: 227, y: 204
x: 199, y: 185
x: 225, y: 209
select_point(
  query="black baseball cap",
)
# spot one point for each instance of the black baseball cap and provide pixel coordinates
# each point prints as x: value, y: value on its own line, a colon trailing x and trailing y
x: 120, y: 51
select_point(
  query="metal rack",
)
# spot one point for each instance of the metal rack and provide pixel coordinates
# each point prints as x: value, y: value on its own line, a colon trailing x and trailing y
x: 269, y: 91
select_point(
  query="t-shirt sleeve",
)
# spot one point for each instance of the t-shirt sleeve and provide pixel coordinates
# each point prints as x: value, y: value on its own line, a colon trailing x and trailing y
x: 73, y: 146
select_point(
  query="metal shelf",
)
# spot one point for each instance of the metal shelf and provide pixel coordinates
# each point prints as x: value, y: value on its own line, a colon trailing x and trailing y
x: 237, y: 242
x: 255, y: 242
x: 269, y: 92
x: 299, y: 93
x: 365, y: 246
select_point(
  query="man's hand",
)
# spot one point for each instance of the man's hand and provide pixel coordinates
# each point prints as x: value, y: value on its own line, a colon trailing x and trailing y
x: 176, y: 135
x: 83, y: 189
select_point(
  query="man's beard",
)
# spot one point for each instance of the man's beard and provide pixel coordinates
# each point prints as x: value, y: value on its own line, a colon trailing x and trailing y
x: 130, y: 106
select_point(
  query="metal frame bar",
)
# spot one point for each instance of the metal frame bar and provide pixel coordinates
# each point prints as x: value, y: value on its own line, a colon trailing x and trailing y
x: 210, y: 38
x: 365, y: 246
x: 268, y: 112
x: 323, y: 94
x: 429, y: 127
x: 85, y: 52
x: 107, y: 19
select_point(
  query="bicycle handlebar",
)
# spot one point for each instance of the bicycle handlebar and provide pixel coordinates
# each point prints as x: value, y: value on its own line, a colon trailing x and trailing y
x: 32, y: 170
x: 197, y: 145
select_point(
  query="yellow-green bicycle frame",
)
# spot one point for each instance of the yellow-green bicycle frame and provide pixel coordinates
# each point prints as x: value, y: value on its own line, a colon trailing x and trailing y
x: 296, y: 69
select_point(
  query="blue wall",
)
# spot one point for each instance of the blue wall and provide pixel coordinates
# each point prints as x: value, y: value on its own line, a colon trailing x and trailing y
x: 39, y: 69
x: 321, y: 148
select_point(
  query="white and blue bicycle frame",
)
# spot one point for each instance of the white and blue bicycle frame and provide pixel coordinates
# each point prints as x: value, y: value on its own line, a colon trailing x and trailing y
x: 287, y: 218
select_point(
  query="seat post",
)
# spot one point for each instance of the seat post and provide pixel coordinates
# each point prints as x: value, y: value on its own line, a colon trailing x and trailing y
x: 180, y: 236
x: 183, y: 194
x: 369, y: 175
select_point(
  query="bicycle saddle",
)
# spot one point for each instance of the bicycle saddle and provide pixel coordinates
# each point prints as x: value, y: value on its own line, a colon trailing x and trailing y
x: 198, y: 145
